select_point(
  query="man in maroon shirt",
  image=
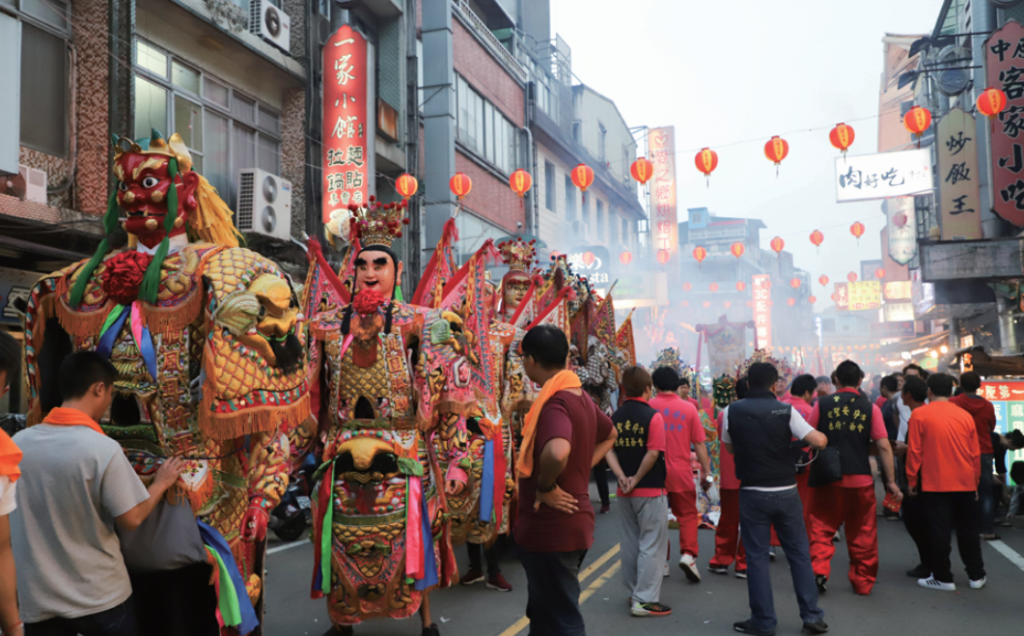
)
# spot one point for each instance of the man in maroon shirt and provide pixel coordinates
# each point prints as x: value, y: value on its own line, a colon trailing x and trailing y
x: 556, y: 520
x: 984, y: 415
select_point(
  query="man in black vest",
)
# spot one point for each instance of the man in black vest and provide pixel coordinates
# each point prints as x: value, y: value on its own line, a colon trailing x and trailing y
x: 852, y: 424
x: 639, y: 465
x: 758, y: 430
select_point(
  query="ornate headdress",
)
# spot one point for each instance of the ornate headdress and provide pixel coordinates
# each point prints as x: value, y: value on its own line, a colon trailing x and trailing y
x: 668, y: 358
x: 379, y: 224
x: 762, y: 355
x: 518, y: 254
x: 723, y: 390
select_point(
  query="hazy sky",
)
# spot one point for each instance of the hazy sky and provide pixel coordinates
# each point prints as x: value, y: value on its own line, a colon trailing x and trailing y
x: 727, y: 71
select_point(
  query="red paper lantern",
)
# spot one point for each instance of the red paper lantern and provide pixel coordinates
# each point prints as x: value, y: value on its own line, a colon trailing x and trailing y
x: 857, y: 229
x: 700, y: 254
x: 991, y: 102
x: 740, y: 286
x: 880, y: 273
x: 460, y: 185
x: 626, y: 258
x: 841, y: 137
x: 582, y: 176
x: 917, y: 120
x: 823, y: 280
x: 406, y: 185
x: 791, y: 301
x: 852, y: 277
x: 687, y: 287
x: 713, y: 287
x: 520, y: 181
x: 776, y: 149
x: 794, y: 283
x: 817, y: 238
x: 777, y: 244
x: 812, y: 299
x: 707, y: 303
x: 707, y: 161
x: 664, y: 256
x: 737, y: 249
x: 642, y: 170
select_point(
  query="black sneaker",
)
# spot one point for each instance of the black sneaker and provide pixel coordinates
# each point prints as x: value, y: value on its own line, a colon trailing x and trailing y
x: 741, y: 574
x: 822, y: 582
x: 815, y: 628
x: 920, y: 572
x: 747, y: 627
x: 340, y: 630
x: 718, y: 569
x: 431, y: 631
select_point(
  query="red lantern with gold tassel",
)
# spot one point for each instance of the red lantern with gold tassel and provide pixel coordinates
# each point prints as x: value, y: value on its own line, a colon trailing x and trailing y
x: 916, y: 121
x: 460, y: 185
x: 817, y: 238
x: 707, y: 161
x: 737, y: 249
x: 812, y: 299
x: 740, y: 286
x: 582, y: 177
x: 776, y: 150
x: 852, y: 277
x: 823, y: 280
x: 990, y: 103
x: 841, y: 137
x: 520, y: 181
x: 406, y: 185
x: 857, y: 229
x: 880, y: 273
x: 699, y: 253
x: 777, y: 244
x: 642, y: 170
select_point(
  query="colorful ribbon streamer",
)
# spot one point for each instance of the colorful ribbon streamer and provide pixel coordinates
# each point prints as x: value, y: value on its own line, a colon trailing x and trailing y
x: 232, y: 585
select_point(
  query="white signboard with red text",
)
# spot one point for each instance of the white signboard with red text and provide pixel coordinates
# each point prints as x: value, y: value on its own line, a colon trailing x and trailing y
x: 762, y: 287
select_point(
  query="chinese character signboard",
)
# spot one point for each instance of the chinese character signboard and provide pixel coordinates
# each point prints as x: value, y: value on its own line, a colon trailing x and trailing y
x: 841, y: 296
x: 762, y: 286
x: 902, y: 227
x: 898, y: 312
x: 1008, y: 399
x: 899, y: 290
x: 864, y: 295
x: 591, y: 262
x: 346, y: 138
x: 889, y: 174
x: 1004, y: 63
x: 958, y: 176
x: 661, y: 144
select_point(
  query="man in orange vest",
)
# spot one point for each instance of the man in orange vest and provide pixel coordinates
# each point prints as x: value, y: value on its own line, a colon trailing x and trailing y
x: 10, y: 456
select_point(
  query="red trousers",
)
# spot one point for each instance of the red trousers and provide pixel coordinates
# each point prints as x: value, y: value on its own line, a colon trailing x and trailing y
x: 728, y: 546
x: 806, y: 493
x: 832, y: 506
x: 684, y: 507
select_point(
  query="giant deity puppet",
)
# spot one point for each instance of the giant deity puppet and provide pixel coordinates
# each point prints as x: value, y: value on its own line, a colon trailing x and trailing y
x: 381, y: 538
x: 209, y: 347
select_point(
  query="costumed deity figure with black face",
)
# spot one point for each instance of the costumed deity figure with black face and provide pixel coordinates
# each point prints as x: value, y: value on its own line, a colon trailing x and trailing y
x: 210, y: 352
x: 380, y: 529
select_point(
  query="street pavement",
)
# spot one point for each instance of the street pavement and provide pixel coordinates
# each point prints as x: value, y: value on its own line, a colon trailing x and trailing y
x: 896, y: 605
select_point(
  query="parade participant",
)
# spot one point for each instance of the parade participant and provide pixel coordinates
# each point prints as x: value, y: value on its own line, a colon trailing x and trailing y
x: 799, y: 396
x: 944, y: 469
x: 77, y: 481
x: 380, y: 535
x: 728, y: 546
x: 824, y: 385
x: 852, y: 424
x: 914, y: 394
x: 685, y: 391
x: 984, y: 415
x: 911, y: 370
x: 682, y: 429
x: 564, y: 435
x: 641, y: 473
x: 519, y: 255
x: 208, y: 342
x: 10, y: 456
x: 758, y: 430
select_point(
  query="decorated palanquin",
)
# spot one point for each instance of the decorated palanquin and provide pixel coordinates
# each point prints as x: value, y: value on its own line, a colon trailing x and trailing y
x: 208, y: 344
x: 381, y: 531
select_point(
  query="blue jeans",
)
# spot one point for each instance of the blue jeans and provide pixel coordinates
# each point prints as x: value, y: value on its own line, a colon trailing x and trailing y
x: 553, y: 592
x: 759, y: 511
x: 986, y: 502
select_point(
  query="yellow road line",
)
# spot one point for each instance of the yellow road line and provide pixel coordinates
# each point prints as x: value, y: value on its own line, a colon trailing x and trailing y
x: 522, y: 623
x: 600, y: 561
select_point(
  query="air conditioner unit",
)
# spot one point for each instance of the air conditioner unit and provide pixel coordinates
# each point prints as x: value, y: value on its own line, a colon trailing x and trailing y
x: 264, y: 204
x: 35, y: 184
x: 271, y: 24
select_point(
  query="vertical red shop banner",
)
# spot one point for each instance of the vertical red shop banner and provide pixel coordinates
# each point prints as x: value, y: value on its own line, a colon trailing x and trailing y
x: 346, y: 144
x: 1004, y: 68
x: 661, y: 146
x: 762, y: 289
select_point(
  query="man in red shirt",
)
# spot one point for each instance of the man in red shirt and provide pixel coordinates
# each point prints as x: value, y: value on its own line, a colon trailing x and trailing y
x: 682, y: 429
x: 984, y: 415
x: 684, y: 392
x: 851, y: 423
x: 728, y: 545
x: 564, y: 435
x: 637, y: 463
x: 943, y: 469
x: 800, y: 395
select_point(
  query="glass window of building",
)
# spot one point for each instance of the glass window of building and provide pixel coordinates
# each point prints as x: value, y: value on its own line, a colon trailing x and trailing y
x: 45, y: 70
x: 484, y: 130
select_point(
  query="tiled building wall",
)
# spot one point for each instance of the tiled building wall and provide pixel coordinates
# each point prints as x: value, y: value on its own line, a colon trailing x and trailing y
x: 491, y: 198
x: 92, y: 123
x: 293, y: 154
x: 475, y: 63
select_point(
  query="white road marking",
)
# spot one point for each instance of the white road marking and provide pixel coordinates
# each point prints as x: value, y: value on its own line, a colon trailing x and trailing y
x: 287, y: 546
x: 1009, y: 553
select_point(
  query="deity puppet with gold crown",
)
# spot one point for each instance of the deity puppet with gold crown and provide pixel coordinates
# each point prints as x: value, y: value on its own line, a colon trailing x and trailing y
x: 209, y: 347
x: 519, y: 255
x: 380, y: 513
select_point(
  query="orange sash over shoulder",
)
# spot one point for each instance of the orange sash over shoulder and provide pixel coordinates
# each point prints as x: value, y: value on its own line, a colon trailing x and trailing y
x: 562, y: 381
x: 71, y: 417
x: 10, y: 456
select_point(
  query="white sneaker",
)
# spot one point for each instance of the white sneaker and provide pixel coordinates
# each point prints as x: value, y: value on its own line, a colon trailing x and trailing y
x: 932, y: 583
x: 980, y: 583
x: 689, y: 567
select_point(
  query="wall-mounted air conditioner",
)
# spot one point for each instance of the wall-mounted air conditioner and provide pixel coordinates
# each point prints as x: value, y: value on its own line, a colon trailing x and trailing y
x: 264, y: 204
x: 271, y: 24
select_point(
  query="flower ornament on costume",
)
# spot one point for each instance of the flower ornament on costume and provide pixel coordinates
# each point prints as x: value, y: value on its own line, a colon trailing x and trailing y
x: 368, y: 302
x: 123, y: 276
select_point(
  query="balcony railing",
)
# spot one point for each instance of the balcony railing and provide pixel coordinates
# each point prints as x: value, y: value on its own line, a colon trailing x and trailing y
x: 507, y: 59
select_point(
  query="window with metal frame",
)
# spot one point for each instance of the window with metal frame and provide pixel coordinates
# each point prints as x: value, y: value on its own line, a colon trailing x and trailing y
x: 484, y: 130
